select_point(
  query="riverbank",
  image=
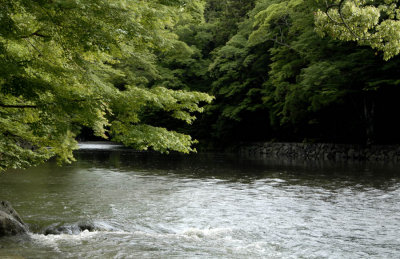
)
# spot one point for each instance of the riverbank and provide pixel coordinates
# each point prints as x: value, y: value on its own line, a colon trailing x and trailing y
x: 322, y: 151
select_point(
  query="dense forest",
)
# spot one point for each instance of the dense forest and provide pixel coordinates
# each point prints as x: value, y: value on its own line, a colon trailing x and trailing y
x: 275, y: 78
x: 140, y: 72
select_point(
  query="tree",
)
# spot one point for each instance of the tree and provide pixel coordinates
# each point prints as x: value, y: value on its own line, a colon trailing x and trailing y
x: 321, y: 88
x: 278, y: 67
x: 66, y: 64
x: 372, y: 23
x: 224, y: 16
x: 239, y: 70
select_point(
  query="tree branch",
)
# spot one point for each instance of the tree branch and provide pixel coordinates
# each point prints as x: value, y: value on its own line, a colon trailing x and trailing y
x: 342, y: 20
x: 36, y: 33
x: 29, y: 106
x: 17, y: 106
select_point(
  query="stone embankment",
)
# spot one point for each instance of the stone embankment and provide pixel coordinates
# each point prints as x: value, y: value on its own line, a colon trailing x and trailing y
x: 320, y: 151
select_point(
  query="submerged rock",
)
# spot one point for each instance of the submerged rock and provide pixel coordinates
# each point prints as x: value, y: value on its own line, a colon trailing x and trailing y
x: 86, y: 225
x: 71, y: 229
x: 10, y: 222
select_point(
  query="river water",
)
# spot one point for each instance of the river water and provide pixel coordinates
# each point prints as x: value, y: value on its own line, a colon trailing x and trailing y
x: 147, y: 205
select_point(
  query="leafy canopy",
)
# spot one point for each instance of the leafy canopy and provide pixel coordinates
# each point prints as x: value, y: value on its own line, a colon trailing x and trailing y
x: 369, y: 22
x: 65, y: 64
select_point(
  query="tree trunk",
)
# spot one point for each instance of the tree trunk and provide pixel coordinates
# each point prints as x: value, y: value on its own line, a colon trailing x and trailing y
x: 369, y: 118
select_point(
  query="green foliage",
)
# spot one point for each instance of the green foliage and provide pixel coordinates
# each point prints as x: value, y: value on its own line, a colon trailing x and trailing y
x: 307, y: 74
x: 133, y: 71
x: 160, y: 139
x: 277, y: 66
x: 372, y: 23
x: 66, y: 64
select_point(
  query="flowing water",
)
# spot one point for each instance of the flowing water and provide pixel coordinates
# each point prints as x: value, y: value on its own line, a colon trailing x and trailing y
x: 147, y: 205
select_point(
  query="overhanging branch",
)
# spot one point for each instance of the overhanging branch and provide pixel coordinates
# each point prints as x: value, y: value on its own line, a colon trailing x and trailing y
x: 36, y: 33
x: 342, y: 21
x: 16, y: 106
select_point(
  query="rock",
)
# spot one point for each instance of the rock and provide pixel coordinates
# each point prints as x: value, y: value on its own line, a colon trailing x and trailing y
x: 86, y: 225
x: 58, y: 229
x: 70, y: 229
x: 10, y: 222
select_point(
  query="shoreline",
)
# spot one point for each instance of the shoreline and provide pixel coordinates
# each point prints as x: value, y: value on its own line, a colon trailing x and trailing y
x: 321, y: 151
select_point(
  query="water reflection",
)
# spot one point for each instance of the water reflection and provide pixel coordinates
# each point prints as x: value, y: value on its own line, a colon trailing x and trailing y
x: 235, y: 168
x: 206, y: 205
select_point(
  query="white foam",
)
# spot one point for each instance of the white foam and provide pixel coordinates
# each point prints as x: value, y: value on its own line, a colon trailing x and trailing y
x: 54, y: 240
x: 192, y: 233
x: 277, y: 180
x: 206, y: 234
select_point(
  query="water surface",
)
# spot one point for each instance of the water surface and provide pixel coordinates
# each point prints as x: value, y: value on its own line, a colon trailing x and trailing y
x: 148, y: 205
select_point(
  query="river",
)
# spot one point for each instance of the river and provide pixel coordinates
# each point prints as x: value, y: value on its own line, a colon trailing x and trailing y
x: 147, y: 205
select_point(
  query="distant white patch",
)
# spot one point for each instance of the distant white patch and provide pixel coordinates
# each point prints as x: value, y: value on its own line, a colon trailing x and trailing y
x: 99, y: 146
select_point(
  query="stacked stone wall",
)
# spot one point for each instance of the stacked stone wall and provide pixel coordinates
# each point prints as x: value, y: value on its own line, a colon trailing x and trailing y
x: 321, y: 151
